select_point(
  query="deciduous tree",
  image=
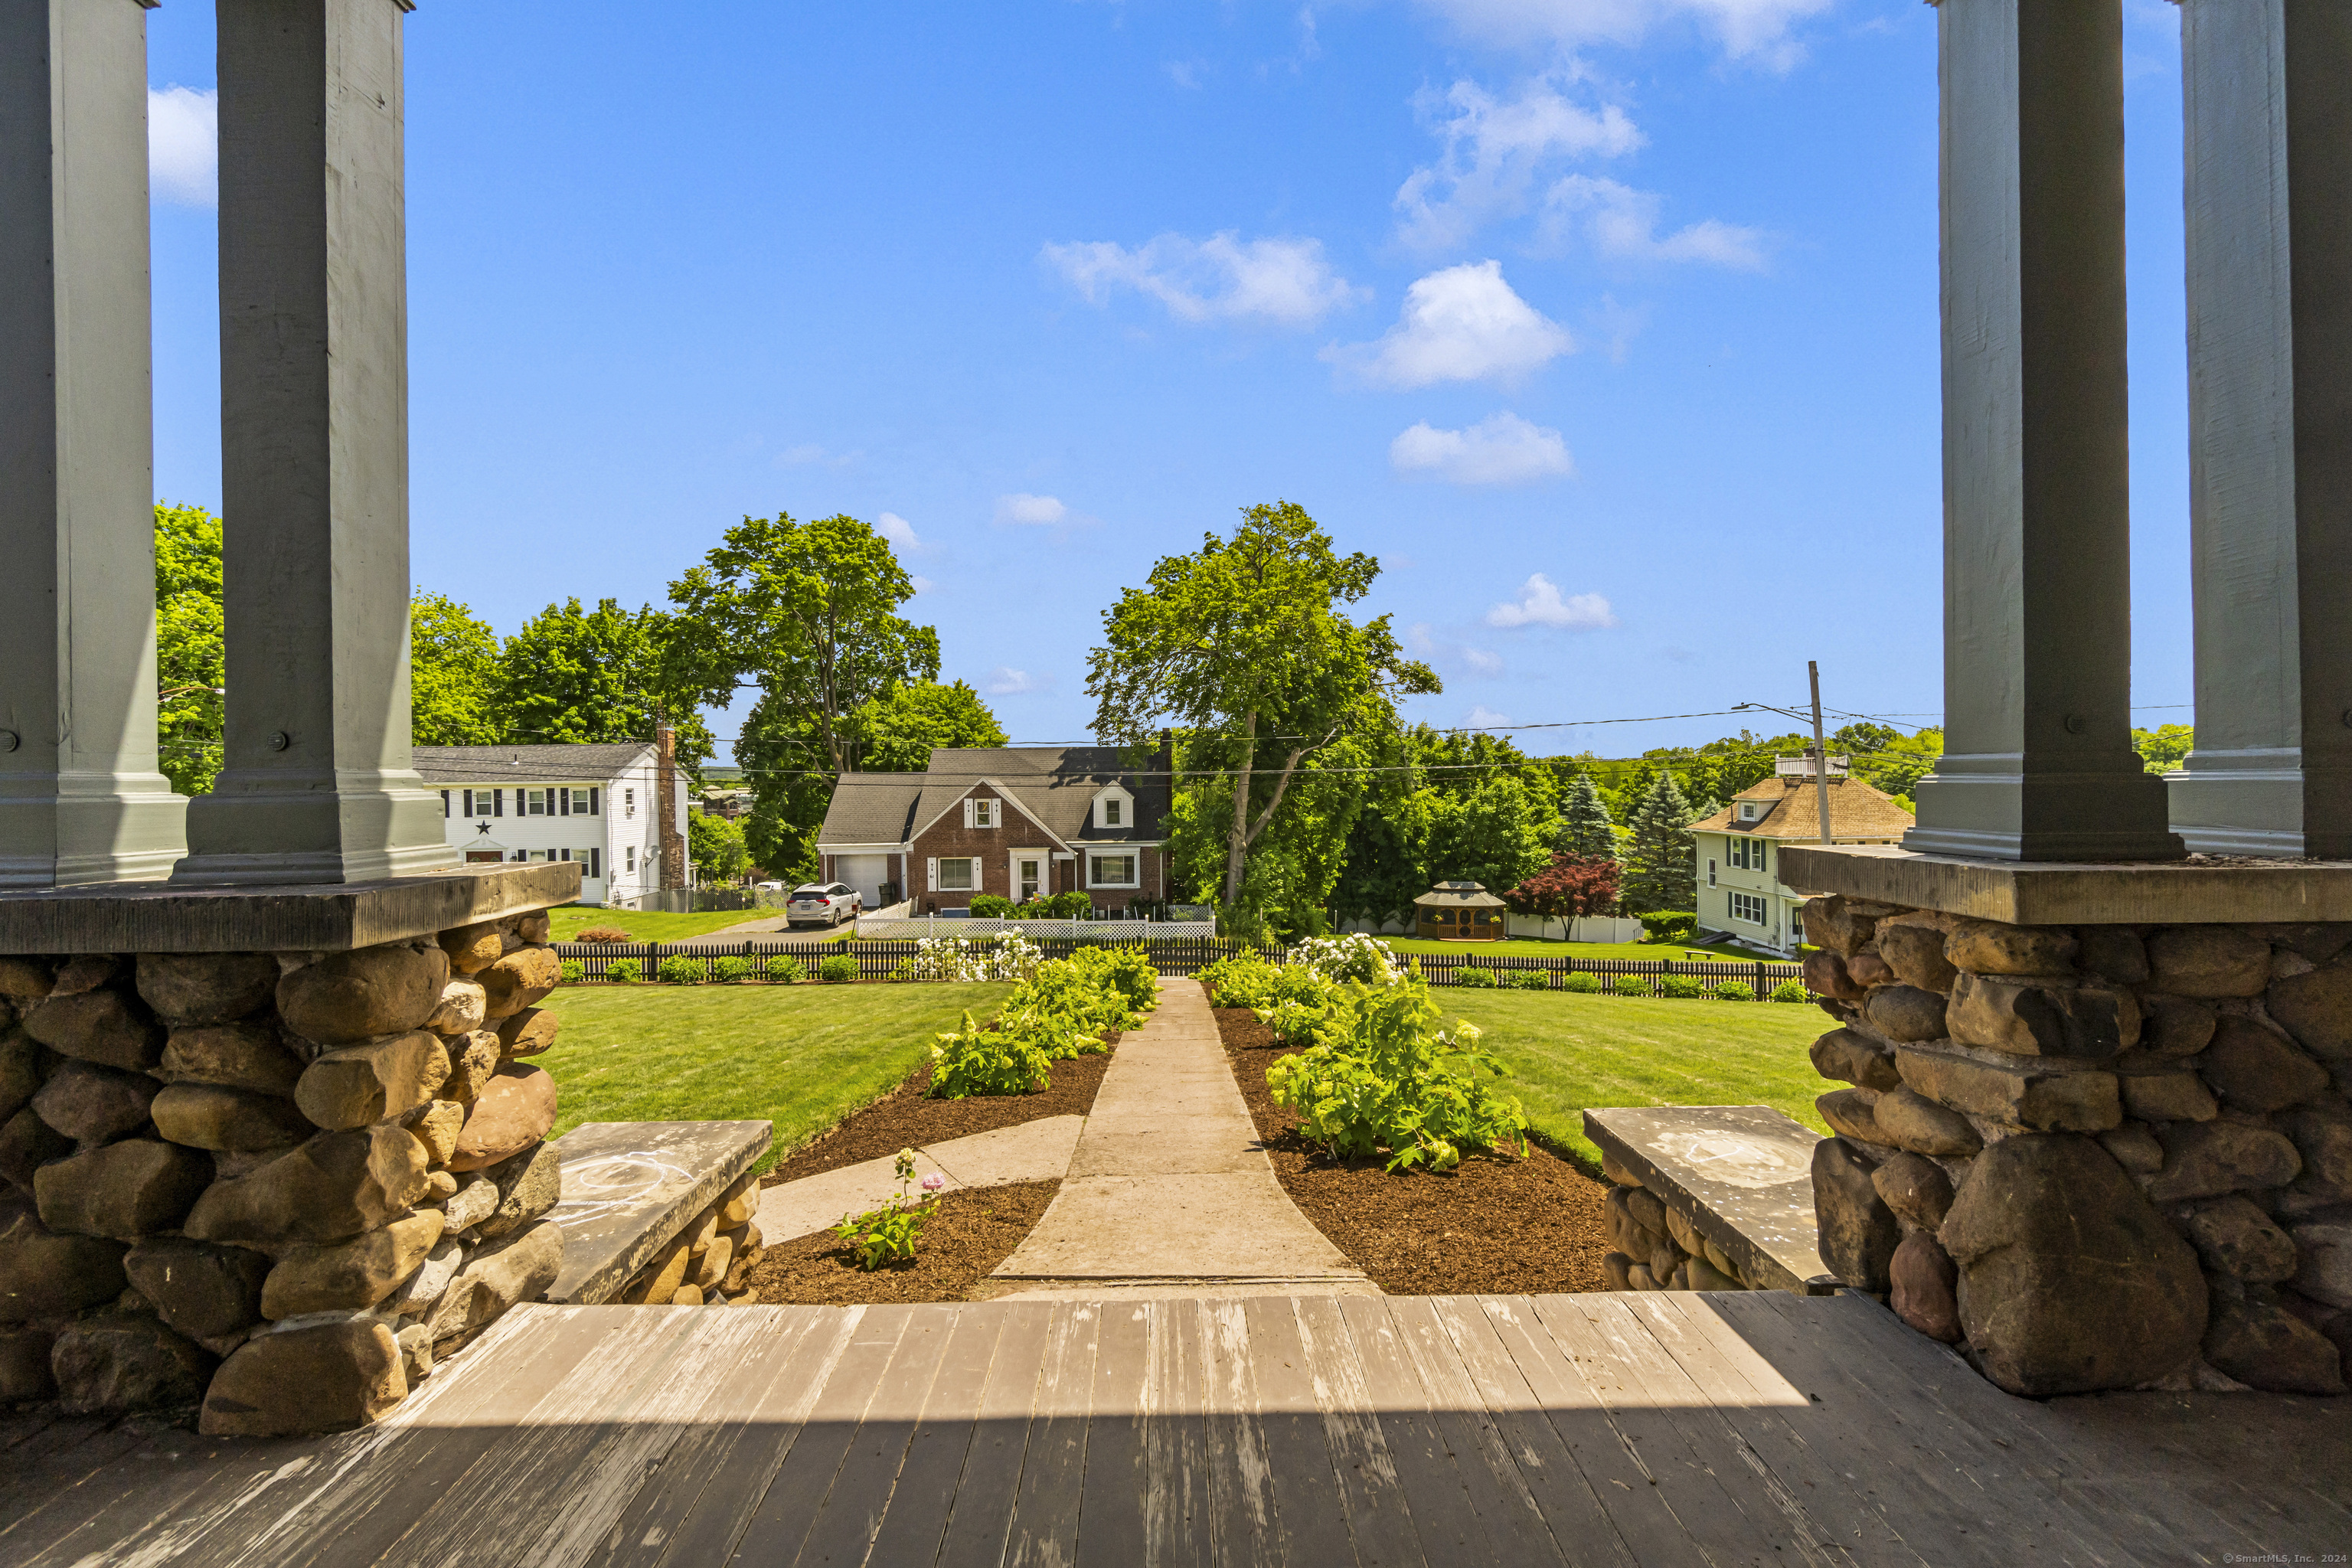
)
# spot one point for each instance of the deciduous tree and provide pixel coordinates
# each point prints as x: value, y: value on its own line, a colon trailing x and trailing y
x: 897, y: 731
x: 573, y: 676
x: 191, y: 658
x: 715, y: 846
x: 1573, y: 887
x: 452, y: 674
x: 1244, y: 643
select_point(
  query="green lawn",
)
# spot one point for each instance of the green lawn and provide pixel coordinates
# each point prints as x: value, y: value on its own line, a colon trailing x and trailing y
x: 1528, y: 948
x: 802, y: 1056
x: 645, y: 926
x: 1567, y: 1052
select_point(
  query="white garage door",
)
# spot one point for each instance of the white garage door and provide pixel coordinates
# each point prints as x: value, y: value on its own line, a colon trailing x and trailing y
x: 864, y: 873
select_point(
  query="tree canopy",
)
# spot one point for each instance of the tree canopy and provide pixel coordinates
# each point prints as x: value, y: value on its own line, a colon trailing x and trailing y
x: 715, y: 845
x: 1573, y: 887
x: 452, y: 674
x: 1585, y: 830
x: 573, y: 676
x: 1243, y: 645
x: 191, y: 656
x: 1447, y: 805
x: 1661, y: 862
x: 897, y: 731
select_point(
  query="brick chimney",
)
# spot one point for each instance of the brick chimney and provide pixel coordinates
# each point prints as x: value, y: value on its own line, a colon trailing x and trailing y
x: 673, y: 842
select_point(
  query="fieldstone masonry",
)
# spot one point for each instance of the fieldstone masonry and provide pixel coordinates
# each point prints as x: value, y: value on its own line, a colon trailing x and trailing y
x: 2093, y: 1157
x: 275, y: 1185
x: 709, y: 1262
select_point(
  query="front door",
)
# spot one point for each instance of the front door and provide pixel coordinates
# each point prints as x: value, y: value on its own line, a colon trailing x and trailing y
x: 1028, y: 877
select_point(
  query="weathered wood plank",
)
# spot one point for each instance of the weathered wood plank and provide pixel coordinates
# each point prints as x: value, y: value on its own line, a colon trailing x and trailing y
x: 1044, y: 1529
x: 981, y: 1510
x: 1308, y: 1506
x: 649, y: 1523
x: 841, y: 1533
x: 911, y: 1532
x: 1179, y: 1523
x: 1775, y: 1420
x: 1988, y: 1511
x: 735, y: 1472
x: 1596, y: 1330
x: 1443, y: 1519
x: 1243, y: 1530
x: 1380, y: 1515
x: 1499, y: 1489
x: 1113, y: 1496
x: 786, y: 1505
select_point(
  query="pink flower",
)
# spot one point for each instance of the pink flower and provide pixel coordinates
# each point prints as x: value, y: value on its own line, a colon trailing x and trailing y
x: 934, y: 1182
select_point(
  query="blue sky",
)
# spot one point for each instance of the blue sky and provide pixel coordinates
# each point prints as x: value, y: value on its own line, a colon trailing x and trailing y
x: 1608, y: 325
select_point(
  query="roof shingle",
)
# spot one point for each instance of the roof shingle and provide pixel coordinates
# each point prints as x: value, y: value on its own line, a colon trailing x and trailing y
x: 1856, y: 811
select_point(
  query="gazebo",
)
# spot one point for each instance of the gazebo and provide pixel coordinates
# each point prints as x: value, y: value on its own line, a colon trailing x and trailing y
x: 1458, y: 912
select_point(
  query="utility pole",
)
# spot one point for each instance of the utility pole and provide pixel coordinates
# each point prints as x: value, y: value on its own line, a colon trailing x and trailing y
x: 1820, y: 748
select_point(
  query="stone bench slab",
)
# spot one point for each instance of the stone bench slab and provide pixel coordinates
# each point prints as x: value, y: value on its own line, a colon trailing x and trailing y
x: 629, y: 1187
x: 1742, y: 1174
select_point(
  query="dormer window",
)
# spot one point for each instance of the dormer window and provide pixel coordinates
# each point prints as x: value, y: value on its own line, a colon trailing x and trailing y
x: 1114, y: 807
x: 1110, y: 813
x: 980, y: 814
x: 1749, y: 811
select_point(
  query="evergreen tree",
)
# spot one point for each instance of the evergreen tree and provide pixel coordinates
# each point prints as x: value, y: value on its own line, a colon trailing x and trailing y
x: 1585, y: 830
x: 1660, y: 865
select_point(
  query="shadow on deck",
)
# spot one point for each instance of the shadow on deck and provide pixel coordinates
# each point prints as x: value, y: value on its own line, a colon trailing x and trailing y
x: 1656, y: 1429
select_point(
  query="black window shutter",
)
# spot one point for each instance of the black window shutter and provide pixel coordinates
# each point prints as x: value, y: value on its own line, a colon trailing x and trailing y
x: 591, y: 800
x: 469, y: 803
x: 498, y: 803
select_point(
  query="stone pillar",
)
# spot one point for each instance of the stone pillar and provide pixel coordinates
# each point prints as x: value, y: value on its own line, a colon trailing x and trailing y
x: 2038, y: 762
x: 318, y: 785
x: 2269, y: 111
x: 80, y: 798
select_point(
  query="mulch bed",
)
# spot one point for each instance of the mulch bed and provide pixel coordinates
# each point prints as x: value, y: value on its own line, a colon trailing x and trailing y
x: 1495, y: 1226
x: 972, y: 1231
x: 905, y: 1119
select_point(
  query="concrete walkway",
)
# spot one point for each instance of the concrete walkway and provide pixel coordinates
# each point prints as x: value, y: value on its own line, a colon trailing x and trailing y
x: 1036, y: 1151
x: 1169, y: 1191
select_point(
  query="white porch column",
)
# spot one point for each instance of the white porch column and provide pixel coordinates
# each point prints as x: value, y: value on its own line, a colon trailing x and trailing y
x: 2038, y: 762
x: 2269, y: 111
x: 80, y: 798
x: 318, y: 785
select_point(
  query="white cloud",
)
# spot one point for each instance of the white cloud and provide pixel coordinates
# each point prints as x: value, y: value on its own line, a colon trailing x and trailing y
x: 1623, y: 222
x: 1496, y: 154
x: 1503, y: 450
x: 1757, y: 31
x: 897, y: 531
x: 1036, y: 511
x: 1540, y: 604
x: 1463, y: 323
x: 1482, y: 662
x: 1485, y: 718
x: 184, y: 145
x: 1005, y: 681
x: 1284, y: 281
x: 923, y: 584
x: 1424, y: 644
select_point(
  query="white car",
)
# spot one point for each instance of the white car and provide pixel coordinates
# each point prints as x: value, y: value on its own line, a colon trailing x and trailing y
x: 821, y: 904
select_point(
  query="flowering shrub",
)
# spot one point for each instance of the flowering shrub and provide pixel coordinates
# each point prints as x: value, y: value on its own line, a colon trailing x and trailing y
x: 1361, y: 957
x: 1583, y: 984
x: 1127, y: 972
x: 1243, y: 979
x: 1791, y: 991
x: 679, y: 970
x: 1735, y: 991
x: 1382, y: 1076
x: 1009, y: 957
x: 785, y: 970
x: 891, y: 1231
x: 973, y: 1060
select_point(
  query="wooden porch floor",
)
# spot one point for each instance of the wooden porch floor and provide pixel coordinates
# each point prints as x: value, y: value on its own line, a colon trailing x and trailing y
x: 1592, y: 1429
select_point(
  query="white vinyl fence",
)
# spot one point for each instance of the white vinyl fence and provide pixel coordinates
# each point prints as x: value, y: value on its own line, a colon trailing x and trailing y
x: 873, y: 927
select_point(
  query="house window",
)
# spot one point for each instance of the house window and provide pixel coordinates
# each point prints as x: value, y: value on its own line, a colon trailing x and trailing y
x: 1710, y: 870
x: 1747, y: 810
x: 629, y: 803
x: 632, y: 859
x: 984, y: 812
x: 534, y: 803
x: 955, y: 876
x: 1750, y: 908
x: 1112, y: 871
x: 582, y: 802
x: 1750, y: 855
x: 1110, y: 813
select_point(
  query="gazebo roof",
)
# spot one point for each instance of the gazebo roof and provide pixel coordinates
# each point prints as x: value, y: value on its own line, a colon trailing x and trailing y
x: 1459, y: 895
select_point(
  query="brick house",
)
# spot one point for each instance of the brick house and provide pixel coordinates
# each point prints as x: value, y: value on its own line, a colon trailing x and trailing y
x: 1015, y: 821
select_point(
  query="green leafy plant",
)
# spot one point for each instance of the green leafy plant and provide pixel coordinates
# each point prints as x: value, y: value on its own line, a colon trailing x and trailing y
x: 1076, y: 905
x: 891, y: 1232
x: 731, y: 971
x: 904, y: 970
x: 1383, y: 1076
x: 1791, y: 991
x: 1583, y: 984
x: 1680, y: 987
x: 990, y: 906
x: 1470, y: 975
x: 570, y: 972
x: 836, y: 967
x: 1243, y: 979
x: 977, y: 1061
x: 623, y: 972
x: 679, y: 970
x: 783, y: 970
x: 1630, y: 985
x: 1527, y: 979
x: 1735, y: 991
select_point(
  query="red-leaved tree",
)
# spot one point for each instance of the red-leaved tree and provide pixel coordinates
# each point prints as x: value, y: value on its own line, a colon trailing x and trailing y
x: 1572, y: 888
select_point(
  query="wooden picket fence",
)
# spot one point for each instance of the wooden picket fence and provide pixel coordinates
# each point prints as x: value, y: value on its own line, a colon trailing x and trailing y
x: 1170, y: 955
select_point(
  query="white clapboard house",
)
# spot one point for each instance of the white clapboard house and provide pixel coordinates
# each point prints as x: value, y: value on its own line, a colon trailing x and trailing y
x: 595, y: 805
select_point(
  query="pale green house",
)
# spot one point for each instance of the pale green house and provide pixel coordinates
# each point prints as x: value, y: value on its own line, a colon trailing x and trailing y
x: 1740, y: 894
